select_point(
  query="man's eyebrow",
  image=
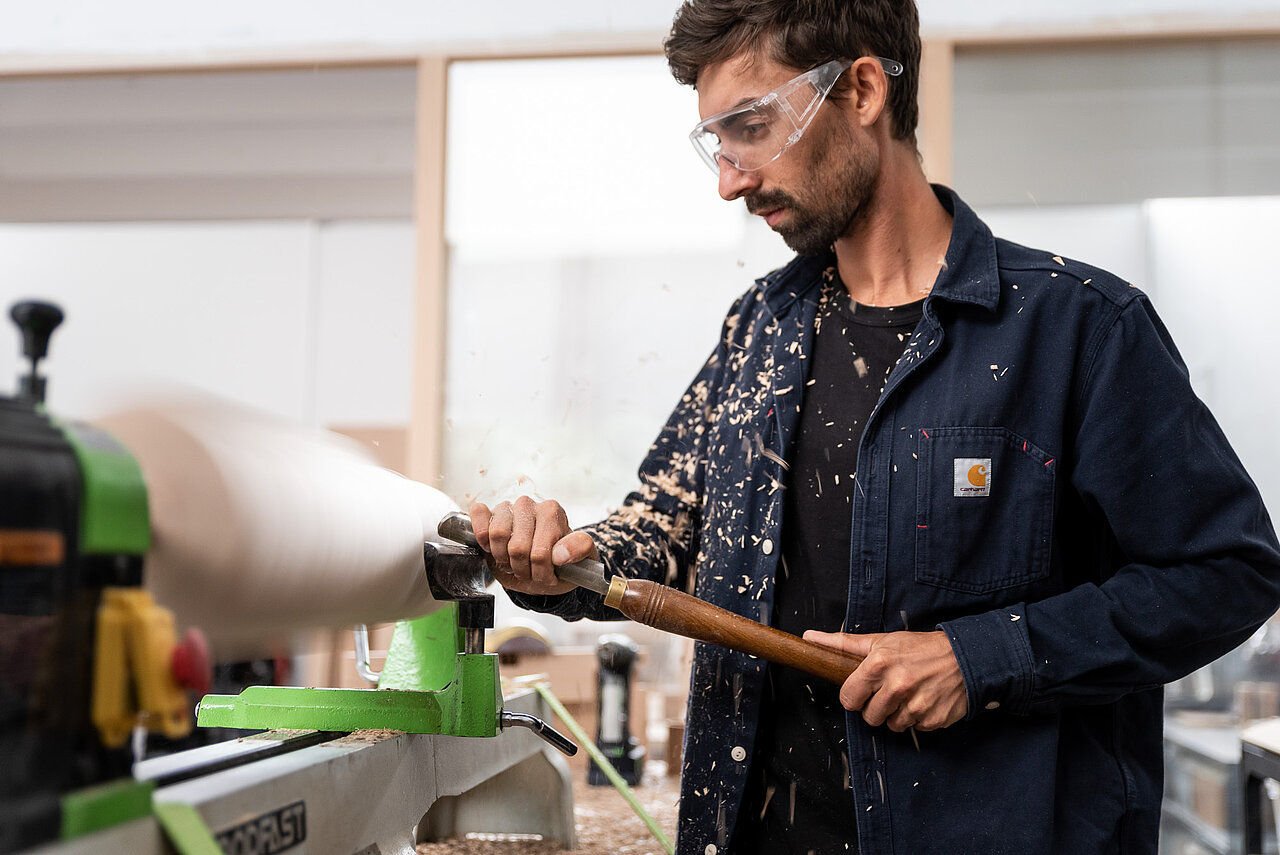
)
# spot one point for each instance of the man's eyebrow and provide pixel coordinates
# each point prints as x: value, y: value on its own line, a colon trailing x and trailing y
x: 745, y: 102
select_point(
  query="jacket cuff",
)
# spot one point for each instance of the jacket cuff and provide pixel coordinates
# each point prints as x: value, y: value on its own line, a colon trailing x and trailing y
x: 994, y: 653
x: 575, y: 605
x: 570, y: 606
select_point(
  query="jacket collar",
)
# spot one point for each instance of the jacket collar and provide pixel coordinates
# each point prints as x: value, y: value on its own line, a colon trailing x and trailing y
x: 971, y: 274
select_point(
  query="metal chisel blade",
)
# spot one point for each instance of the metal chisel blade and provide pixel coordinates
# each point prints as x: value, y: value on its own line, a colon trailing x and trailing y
x: 585, y: 574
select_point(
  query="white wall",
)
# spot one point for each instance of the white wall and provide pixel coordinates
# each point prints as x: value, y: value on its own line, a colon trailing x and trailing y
x: 310, y: 321
x: 532, y: 174
x: 592, y: 263
x: 364, y: 323
x: 51, y: 28
x: 1215, y: 262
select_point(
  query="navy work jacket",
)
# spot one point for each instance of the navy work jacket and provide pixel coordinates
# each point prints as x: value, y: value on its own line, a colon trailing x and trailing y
x: 1038, y: 480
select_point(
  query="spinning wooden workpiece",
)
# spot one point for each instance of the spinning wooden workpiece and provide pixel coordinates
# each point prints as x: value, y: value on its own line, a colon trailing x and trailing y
x: 263, y: 528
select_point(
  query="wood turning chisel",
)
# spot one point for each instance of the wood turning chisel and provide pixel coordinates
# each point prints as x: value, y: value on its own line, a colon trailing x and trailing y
x: 665, y: 608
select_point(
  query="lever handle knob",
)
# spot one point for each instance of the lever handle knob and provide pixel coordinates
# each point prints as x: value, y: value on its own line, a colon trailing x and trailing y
x: 37, y: 322
x: 557, y: 739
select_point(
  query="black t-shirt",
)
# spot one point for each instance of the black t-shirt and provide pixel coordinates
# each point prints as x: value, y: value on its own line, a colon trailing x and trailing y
x: 798, y: 795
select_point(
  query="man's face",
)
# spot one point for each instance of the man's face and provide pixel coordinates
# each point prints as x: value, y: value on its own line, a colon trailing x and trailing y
x: 814, y: 192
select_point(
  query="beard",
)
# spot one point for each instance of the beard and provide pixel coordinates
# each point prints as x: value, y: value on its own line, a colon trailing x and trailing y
x: 829, y: 207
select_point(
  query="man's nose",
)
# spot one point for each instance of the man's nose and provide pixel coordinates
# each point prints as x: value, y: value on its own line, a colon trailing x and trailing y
x: 735, y: 183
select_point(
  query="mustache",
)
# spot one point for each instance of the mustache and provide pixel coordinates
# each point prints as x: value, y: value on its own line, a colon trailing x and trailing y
x: 768, y: 200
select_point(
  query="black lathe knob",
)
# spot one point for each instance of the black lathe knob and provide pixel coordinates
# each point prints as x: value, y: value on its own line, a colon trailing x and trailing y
x: 37, y: 321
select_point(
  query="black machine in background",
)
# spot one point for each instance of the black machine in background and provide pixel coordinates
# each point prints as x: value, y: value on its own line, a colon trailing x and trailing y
x: 617, y: 655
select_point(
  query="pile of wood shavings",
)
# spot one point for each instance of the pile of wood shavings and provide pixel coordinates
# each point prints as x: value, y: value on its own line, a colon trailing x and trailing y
x: 605, y: 823
x: 366, y: 737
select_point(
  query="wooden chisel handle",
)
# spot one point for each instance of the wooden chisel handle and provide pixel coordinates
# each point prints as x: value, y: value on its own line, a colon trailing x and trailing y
x: 667, y: 609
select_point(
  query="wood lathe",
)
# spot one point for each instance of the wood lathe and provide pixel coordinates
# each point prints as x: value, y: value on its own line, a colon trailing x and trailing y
x: 251, y: 530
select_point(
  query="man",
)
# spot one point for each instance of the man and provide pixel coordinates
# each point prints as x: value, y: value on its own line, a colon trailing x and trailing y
x: 979, y: 466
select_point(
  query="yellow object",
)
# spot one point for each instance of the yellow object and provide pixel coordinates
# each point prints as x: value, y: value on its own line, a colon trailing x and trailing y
x: 135, y: 641
x: 517, y: 628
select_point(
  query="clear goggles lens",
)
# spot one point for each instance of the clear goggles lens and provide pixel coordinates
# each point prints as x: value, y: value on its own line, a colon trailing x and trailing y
x: 751, y: 136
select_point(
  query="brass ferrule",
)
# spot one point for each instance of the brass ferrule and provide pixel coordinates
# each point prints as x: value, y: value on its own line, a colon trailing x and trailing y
x: 617, y: 587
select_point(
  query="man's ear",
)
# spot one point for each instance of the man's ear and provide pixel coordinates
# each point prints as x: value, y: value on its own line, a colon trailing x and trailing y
x: 869, y: 94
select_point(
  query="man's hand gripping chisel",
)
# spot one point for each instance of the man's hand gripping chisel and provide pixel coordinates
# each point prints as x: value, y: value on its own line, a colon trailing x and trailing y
x: 667, y: 609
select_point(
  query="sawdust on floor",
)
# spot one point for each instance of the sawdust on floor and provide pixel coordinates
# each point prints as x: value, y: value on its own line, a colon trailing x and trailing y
x: 605, y: 823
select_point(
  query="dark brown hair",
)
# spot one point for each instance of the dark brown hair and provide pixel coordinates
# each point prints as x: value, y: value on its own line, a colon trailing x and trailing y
x: 802, y: 34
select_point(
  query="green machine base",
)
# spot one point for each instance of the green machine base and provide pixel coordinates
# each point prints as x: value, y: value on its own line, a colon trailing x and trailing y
x: 428, y: 685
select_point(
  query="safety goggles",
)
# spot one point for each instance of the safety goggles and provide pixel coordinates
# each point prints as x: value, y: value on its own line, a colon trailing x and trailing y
x: 758, y: 133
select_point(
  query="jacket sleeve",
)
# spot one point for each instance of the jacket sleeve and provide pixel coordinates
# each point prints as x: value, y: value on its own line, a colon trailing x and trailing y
x: 655, y: 533
x: 1200, y: 566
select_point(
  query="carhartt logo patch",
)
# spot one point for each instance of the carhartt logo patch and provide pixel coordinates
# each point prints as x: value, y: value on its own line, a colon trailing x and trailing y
x: 972, y: 476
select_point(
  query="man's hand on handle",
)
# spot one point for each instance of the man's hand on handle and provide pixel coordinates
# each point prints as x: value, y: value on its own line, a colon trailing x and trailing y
x: 527, y: 541
x: 907, y: 679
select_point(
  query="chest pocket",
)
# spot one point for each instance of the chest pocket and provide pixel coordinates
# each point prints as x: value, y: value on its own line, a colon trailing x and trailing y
x: 984, y: 506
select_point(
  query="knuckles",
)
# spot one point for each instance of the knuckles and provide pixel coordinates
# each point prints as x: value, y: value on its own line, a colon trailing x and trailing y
x: 501, y: 521
x: 876, y: 666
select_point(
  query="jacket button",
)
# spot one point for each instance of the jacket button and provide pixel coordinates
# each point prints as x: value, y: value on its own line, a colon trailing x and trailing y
x: 711, y: 849
x: 994, y: 705
x: 767, y: 547
x: 738, y: 753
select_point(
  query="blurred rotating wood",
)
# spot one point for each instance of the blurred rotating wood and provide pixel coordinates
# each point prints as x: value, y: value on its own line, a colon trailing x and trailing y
x: 262, y: 528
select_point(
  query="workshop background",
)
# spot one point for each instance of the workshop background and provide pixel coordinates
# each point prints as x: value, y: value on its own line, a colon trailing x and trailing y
x: 354, y: 216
